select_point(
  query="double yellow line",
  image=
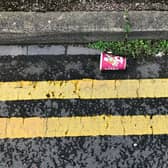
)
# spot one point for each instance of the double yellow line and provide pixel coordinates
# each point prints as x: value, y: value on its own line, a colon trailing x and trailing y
x: 84, y: 89
x: 83, y: 126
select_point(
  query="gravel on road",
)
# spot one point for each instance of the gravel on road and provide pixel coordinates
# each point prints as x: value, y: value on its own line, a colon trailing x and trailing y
x: 82, y: 5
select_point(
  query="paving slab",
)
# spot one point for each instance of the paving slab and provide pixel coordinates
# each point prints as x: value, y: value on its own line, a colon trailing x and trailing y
x: 80, y: 27
x: 13, y: 50
x: 71, y: 50
x: 46, y: 50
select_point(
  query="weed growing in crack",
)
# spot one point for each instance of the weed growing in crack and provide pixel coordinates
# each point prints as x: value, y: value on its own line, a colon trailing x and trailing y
x: 133, y: 48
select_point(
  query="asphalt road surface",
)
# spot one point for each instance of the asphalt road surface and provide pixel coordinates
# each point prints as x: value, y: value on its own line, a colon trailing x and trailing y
x: 147, y: 151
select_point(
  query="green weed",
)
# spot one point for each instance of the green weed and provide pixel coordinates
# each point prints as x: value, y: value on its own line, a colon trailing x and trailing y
x: 133, y: 48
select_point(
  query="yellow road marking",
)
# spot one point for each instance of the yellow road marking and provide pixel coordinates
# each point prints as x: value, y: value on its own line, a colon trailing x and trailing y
x: 83, y: 126
x: 83, y: 89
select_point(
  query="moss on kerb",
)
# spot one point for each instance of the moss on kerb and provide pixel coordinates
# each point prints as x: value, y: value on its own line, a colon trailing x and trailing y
x: 134, y: 48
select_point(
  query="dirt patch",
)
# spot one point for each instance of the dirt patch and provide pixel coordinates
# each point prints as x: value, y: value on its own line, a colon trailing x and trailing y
x: 82, y: 5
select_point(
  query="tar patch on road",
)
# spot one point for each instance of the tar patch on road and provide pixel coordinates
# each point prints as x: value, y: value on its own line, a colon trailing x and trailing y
x: 38, y: 68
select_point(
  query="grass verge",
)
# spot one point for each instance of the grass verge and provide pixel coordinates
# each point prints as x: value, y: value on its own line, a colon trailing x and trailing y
x: 133, y: 48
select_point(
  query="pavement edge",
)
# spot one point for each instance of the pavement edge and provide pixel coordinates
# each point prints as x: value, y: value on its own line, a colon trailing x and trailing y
x: 80, y: 27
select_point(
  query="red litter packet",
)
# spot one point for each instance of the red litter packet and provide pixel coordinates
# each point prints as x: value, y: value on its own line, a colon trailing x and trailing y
x: 108, y: 61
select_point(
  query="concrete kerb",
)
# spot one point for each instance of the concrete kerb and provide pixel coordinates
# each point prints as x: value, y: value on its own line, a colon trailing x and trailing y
x: 80, y: 27
x: 29, y: 50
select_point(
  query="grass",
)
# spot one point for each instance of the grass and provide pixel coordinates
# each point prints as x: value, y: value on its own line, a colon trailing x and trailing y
x: 133, y: 48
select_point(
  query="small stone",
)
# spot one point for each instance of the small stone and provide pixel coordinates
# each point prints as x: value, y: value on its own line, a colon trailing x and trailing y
x: 83, y: 1
x: 135, y: 144
x: 125, y: 17
x: 137, y: 4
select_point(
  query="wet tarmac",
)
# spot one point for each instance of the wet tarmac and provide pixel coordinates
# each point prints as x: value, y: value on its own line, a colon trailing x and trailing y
x: 63, y: 67
x: 82, y: 152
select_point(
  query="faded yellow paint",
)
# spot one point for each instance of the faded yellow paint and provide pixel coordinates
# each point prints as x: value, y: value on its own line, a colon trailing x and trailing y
x: 83, y: 89
x: 83, y: 126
